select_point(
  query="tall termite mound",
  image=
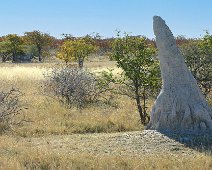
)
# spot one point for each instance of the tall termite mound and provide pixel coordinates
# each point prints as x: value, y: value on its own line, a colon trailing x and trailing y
x: 180, y: 106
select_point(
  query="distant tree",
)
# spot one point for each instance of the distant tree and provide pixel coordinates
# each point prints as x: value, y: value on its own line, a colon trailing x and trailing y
x: 68, y: 37
x: 140, y: 70
x: 66, y: 51
x: 104, y: 44
x: 11, y: 46
x: 76, y: 50
x: 4, y: 52
x: 42, y: 41
x: 198, y: 56
x: 180, y: 40
x: 31, y: 51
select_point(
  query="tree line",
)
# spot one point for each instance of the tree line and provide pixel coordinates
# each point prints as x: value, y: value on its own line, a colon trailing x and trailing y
x: 37, y: 46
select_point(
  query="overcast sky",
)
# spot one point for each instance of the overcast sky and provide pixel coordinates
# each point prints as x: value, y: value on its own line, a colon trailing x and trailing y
x: 80, y: 17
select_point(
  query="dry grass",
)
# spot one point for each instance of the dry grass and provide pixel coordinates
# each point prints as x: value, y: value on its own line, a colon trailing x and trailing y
x: 21, y: 73
x: 47, y: 117
x: 34, y: 71
x: 159, y: 162
x: 16, y: 155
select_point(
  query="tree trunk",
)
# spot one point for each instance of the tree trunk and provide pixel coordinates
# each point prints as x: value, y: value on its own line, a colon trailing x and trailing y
x: 39, y: 54
x: 40, y: 58
x: 140, y: 110
x: 80, y: 62
x: 14, y: 59
x: 180, y: 105
x: 138, y: 103
x: 144, y: 106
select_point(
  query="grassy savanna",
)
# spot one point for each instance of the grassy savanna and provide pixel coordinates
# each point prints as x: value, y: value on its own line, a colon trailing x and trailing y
x: 55, y: 137
x: 45, y: 115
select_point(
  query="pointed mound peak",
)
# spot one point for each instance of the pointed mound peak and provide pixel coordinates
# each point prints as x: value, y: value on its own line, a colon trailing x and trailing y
x: 164, y: 36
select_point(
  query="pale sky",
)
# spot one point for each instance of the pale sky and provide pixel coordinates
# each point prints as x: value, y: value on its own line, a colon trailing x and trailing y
x: 80, y: 17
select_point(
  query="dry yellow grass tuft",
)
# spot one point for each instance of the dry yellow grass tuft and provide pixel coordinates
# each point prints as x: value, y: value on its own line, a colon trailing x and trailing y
x: 19, y: 72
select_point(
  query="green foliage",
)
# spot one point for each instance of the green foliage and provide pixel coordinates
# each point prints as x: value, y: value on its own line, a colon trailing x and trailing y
x: 31, y: 51
x: 105, y: 78
x: 76, y: 50
x: 42, y: 42
x: 198, y: 56
x: 66, y: 51
x: 141, y: 71
x: 11, y: 46
x: 4, y: 51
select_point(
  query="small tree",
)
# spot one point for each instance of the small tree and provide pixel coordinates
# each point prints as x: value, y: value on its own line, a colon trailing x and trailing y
x: 76, y: 50
x: 141, y: 72
x: 198, y: 58
x: 11, y: 46
x: 42, y: 41
x: 206, y: 59
x: 66, y: 51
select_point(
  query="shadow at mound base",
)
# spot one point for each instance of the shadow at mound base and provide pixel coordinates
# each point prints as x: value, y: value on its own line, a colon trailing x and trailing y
x: 199, y: 141
x: 180, y: 108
